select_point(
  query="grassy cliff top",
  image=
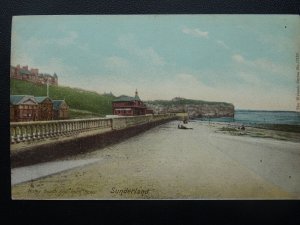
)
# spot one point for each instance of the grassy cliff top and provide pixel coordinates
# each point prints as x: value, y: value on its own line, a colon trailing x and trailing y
x: 183, y: 101
x: 76, y: 98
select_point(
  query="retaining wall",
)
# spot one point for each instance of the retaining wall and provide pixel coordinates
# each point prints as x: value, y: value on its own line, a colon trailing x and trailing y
x: 77, y: 145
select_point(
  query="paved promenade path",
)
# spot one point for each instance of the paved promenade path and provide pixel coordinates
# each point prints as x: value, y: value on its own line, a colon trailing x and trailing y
x: 170, y: 163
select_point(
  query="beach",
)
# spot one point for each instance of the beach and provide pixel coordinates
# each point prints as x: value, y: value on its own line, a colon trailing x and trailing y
x: 209, y: 161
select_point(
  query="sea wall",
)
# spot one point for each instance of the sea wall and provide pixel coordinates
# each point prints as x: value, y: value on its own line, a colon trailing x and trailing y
x: 121, y: 129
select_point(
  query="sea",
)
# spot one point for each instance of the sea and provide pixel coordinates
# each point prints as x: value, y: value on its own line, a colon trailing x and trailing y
x: 256, y: 117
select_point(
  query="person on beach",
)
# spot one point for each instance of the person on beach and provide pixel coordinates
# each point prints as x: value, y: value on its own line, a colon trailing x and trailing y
x: 242, y: 127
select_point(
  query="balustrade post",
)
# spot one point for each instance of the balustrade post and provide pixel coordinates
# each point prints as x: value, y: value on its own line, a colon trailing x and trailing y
x: 28, y: 132
x: 23, y: 129
x: 60, y: 128
x: 41, y: 127
x: 38, y: 131
x: 67, y: 128
x: 71, y: 127
x: 46, y: 134
x: 33, y: 130
x: 44, y: 131
x: 63, y: 126
x: 18, y: 133
x: 57, y: 129
x: 76, y: 126
x: 51, y: 130
x: 12, y: 135
x: 47, y: 130
x: 54, y: 129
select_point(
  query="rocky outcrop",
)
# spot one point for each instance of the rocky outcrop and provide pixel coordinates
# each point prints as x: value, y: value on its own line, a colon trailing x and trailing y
x: 194, y: 108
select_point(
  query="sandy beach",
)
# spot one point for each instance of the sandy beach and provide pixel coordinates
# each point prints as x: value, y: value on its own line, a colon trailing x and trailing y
x: 170, y: 163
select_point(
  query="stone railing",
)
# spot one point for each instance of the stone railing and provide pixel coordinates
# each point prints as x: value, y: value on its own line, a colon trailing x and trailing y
x: 128, y: 121
x: 42, y: 130
x: 37, y: 130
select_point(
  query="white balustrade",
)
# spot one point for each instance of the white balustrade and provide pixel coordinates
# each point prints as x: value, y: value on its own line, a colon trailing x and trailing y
x: 41, y: 130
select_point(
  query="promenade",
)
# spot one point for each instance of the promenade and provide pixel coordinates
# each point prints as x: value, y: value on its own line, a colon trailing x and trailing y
x: 169, y: 163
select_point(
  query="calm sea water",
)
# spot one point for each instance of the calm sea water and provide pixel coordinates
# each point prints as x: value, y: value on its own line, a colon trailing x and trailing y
x: 253, y: 117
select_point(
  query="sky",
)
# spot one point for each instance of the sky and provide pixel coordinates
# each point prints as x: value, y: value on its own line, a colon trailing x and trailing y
x: 247, y: 60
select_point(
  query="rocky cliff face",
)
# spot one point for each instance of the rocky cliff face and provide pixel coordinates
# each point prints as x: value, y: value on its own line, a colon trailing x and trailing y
x: 194, y: 108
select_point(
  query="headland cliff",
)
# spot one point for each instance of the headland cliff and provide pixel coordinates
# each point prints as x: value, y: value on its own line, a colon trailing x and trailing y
x: 194, y: 108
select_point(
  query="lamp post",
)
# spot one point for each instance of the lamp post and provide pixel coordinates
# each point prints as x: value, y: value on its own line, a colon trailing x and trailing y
x: 47, y: 87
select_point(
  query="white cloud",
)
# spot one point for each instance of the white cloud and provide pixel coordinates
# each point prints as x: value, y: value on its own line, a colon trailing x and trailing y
x: 195, y: 32
x: 152, y: 55
x: 148, y: 54
x: 263, y: 64
x: 238, y: 58
x: 221, y: 43
x: 113, y: 62
x: 251, y: 78
x: 67, y: 40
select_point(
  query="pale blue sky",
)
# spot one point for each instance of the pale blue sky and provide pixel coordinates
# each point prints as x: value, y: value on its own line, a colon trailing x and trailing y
x: 248, y: 60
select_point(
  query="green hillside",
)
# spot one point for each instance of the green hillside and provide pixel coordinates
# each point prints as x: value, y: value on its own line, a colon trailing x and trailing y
x: 183, y: 101
x: 82, y: 103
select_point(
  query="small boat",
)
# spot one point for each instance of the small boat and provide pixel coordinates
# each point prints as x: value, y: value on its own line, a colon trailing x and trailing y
x: 183, y: 127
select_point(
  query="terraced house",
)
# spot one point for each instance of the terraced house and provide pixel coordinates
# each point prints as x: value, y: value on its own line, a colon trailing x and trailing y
x: 29, y: 108
x: 45, y: 108
x: 23, y: 108
x: 60, y: 110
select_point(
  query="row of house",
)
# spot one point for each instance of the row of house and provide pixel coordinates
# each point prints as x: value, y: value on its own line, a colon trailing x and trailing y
x: 29, y: 108
x: 129, y: 106
x: 32, y: 75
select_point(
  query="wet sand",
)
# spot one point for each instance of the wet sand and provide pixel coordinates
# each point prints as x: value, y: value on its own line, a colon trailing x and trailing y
x: 170, y: 163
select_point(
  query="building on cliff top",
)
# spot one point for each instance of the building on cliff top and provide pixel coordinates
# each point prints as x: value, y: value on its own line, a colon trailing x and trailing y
x: 32, y: 75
